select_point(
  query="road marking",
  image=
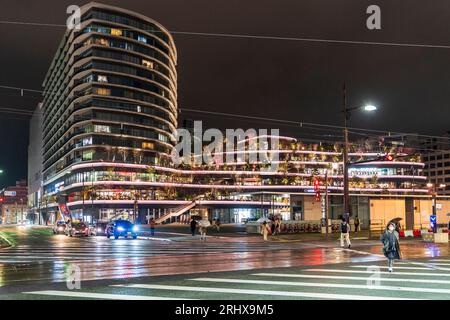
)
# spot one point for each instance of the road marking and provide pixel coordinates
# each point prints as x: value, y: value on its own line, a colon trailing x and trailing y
x: 309, y: 276
x: 360, y: 252
x: 91, y: 295
x: 381, y: 272
x: 406, y: 268
x: 325, y: 285
x: 260, y: 292
x: 431, y: 264
x: 443, y: 260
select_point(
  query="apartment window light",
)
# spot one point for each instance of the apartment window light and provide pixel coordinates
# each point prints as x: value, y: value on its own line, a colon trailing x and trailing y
x: 103, y: 91
x: 102, y: 78
x: 100, y: 128
x: 116, y: 32
x: 142, y: 39
x: 139, y: 109
x: 148, y: 145
x: 147, y: 64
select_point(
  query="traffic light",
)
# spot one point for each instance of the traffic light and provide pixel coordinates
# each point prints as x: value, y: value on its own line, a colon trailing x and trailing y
x: 389, y: 157
x: 1, y: 200
x: 317, y: 189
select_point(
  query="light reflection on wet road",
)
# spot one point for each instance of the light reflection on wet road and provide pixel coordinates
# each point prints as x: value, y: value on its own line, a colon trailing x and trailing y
x: 39, y: 257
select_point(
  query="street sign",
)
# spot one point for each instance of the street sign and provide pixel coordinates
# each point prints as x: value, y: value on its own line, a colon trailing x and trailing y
x: 9, y: 193
x: 433, y: 225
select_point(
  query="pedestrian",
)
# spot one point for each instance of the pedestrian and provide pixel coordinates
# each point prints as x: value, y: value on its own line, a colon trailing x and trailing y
x: 193, y: 226
x: 202, y: 230
x: 391, y: 246
x: 152, y: 227
x: 218, y: 225
x: 272, y: 226
x: 265, y: 230
x: 356, y: 224
x: 278, y: 226
x: 345, y: 233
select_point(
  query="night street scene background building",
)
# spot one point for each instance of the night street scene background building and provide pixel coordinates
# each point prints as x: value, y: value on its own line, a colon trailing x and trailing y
x: 236, y: 151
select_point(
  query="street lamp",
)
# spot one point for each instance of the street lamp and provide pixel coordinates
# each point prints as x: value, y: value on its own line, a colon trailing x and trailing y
x: 347, y: 116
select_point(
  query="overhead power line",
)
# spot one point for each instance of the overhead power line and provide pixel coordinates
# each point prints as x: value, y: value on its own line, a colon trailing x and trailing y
x: 261, y: 37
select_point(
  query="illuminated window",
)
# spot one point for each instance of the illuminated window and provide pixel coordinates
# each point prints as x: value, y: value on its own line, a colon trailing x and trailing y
x: 99, y: 128
x: 148, y: 145
x: 142, y: 39
x: 103, y: 91
x: 139, y: 109
x: 87, y: 141
x: 103, y: 42
x: 162, y: 137
x: 102, y: 78
x: 147, y: 64
x: 116, y: 32
x: 88, y: 155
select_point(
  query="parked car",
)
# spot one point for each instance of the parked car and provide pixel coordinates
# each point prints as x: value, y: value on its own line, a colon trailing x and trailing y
x: 59, y: 227
x: 77, y: 229
x: 99, y: 228
x: 121, y: 228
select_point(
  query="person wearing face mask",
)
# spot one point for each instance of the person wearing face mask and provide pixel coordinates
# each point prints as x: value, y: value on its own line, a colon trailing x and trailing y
x: 391, y: 246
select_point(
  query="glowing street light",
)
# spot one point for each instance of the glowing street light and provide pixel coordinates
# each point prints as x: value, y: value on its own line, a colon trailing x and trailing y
x: 370, y: 108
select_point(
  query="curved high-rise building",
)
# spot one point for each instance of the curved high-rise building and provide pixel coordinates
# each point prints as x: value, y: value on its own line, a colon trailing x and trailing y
x: 110, y: 95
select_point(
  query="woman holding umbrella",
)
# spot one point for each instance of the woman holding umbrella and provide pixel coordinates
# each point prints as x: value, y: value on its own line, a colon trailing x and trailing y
x: 391, y: 246
x: 203, y: 225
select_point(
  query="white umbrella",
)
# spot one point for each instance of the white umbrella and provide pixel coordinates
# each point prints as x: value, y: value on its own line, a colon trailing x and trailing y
x: 263, y: 219
x: 204, y: 223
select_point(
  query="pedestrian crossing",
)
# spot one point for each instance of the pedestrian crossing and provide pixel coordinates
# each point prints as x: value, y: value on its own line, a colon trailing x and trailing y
x: 344, y: 281
x: 101, y: 250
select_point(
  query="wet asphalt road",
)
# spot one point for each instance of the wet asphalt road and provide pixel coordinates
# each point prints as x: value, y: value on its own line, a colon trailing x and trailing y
x: 38, y: 260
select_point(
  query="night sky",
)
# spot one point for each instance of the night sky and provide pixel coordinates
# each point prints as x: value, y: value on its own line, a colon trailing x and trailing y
x: 291, y: 80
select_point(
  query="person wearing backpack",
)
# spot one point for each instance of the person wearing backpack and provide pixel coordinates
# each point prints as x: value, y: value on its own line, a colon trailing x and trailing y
x: 345, y: 233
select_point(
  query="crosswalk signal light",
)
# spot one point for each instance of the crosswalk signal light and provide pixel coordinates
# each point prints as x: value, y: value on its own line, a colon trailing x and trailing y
x: 389, y: 157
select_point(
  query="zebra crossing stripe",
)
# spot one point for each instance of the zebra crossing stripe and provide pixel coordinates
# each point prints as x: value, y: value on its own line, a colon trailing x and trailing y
x: 260, y: 292
x: 432, y: 264
x: 92, y: 295
x: 325, y: 285
x: 443, y: 260
x: 406, y: 268
x: 309, y: 276
x: 381, y: 272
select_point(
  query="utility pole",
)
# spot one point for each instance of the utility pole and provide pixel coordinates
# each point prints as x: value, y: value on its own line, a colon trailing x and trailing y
x: 326, y: 202
x: 345, y: 154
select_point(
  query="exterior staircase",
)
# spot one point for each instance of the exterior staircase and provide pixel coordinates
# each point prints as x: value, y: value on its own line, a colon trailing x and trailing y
x: 176, y: 212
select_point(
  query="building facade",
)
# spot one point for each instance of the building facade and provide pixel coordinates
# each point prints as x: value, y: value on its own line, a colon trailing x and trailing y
x: 110, y: 96
x: 437, y: 163
x: 13, y: 202
x: 110, y: 116
x: 35, y: 161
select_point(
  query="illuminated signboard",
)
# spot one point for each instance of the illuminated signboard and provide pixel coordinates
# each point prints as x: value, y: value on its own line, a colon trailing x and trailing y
x: 369, y: 172
x: 9, y: 193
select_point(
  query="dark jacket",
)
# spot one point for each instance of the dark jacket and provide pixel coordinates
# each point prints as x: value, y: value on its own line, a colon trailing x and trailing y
x: 391, y: 246
x: 193, y: 224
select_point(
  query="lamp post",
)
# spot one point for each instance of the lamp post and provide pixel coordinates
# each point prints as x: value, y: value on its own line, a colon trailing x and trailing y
x: 347, y: 116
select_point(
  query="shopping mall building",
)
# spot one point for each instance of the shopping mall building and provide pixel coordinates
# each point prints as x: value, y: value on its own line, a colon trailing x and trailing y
x: 109, y: 129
